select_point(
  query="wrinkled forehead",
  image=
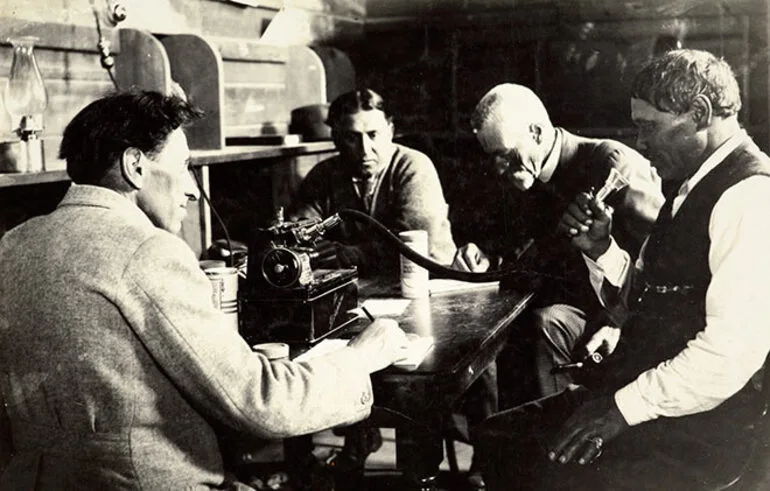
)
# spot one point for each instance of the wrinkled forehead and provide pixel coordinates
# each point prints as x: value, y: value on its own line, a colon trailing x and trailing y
x: 363, y: 122
x: 642, y: 110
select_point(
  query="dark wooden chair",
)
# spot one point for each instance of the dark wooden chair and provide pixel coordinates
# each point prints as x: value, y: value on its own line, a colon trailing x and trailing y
x: 755, y: 474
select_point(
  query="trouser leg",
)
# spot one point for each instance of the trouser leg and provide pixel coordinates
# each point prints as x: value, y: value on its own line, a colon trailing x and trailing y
x: 671, y: 454
x: 481, y: 399
x: 512, y: 445
x: 561, y: 328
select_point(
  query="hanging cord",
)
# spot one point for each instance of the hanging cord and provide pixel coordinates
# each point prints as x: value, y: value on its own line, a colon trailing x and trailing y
x: 432, y: 266
x: 231, y: 258
x: 103, y: 45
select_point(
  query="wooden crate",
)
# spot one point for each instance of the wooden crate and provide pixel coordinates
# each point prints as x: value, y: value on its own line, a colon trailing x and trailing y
x: 240, y: 84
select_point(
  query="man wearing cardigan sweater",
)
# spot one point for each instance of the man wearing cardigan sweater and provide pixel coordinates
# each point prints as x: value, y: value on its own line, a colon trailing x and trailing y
x: 550, y: 166
x: 394, y: 184
x: 672, y: 406
x: 399, y: 187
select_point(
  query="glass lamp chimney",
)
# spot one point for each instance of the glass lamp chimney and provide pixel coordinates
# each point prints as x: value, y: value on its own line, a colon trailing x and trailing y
x: 26, y: 100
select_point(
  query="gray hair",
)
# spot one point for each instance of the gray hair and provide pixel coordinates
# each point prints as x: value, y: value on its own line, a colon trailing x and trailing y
x: 671, y: 82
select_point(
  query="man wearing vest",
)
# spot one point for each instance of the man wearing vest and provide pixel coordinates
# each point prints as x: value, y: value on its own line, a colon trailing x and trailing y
x: 670, y: 406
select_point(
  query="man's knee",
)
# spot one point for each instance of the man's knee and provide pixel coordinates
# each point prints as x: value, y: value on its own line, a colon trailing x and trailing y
x: 560, y: 325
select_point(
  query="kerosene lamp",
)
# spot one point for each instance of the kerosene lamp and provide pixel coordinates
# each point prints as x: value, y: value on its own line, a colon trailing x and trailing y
x: 26, y: 100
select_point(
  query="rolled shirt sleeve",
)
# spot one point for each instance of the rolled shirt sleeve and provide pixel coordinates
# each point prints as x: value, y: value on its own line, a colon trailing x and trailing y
x: 721, y: 359
x: 613, y: 267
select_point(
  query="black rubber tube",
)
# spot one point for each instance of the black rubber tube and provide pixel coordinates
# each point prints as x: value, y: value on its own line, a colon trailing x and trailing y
x: 437, y: 269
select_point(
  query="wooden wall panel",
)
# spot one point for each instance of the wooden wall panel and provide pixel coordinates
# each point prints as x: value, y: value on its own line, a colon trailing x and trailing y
x: 207, y: 17
x: 305, y: 27
x: 354, y: 9
x: 595, y: 10
x: 255, y: 109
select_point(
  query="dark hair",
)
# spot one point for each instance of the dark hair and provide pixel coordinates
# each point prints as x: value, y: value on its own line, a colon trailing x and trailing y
x: 353, y: 102
x: 99, y: 134
x: 671, y: 82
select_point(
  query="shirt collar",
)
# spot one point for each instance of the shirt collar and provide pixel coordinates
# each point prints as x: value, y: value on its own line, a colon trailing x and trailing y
x: 549, y: 166
x: 716, y: 158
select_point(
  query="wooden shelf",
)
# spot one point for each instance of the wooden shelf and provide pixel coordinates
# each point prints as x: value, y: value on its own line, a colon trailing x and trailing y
x: 241, y: 153
x: 199, y: 158
x: 21, y: 179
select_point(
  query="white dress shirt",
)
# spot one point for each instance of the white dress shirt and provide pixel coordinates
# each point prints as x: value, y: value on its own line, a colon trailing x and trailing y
x: 721, y: 359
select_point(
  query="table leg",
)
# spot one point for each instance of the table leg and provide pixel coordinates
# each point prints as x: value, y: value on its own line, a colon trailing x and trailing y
x: 419, y: 453
x: 301, y: 464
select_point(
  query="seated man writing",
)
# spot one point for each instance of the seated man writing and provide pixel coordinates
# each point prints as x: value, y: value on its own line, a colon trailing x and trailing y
x: 115, y: 368
x: 670, y: 407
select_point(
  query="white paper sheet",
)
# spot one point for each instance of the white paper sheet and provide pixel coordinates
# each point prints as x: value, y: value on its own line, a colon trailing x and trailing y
x: 386, y: 307
x: 418, y: 349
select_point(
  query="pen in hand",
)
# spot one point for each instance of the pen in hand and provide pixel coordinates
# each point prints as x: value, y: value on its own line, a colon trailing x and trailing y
x: 368, y: 314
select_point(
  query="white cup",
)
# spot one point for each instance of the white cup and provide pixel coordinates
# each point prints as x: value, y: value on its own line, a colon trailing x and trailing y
x: 414, y: 278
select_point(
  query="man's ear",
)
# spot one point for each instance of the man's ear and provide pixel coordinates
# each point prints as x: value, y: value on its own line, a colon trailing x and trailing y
x: 132, y: 167
x: 702, y: 111
x: 537, y: 132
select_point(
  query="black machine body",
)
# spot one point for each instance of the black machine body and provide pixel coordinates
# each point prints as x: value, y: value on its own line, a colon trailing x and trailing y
x: 288, y: 297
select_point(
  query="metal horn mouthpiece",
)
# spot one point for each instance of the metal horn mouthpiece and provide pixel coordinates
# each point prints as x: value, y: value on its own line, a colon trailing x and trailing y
x: 315, y: 232
x: 615, y: 182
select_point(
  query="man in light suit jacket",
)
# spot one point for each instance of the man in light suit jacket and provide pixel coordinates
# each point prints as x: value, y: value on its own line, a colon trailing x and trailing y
x: 115, y: 367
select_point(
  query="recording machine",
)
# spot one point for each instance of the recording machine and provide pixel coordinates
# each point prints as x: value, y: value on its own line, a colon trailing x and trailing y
x: 291, y: 294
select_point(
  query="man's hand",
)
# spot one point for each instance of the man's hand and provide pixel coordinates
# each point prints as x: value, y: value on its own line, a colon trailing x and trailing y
x: 381, y: 344
x: 587, y: 222
x: 470, y: 258
x: 585, y: 433
x: 604, y: 341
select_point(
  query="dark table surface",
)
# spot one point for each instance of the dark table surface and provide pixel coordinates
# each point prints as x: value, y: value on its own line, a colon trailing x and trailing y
x: 469, y: 328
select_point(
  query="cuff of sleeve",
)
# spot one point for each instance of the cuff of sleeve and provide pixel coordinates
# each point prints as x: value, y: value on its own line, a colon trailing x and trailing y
x: 353, y: 361
x: 632, y: 405
x: 612, y: 264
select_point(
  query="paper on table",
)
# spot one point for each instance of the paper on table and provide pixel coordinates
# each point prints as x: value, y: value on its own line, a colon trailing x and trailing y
x: 441, y: 285
x: 322, y: 348
x: 386, y: 307
x: 418, y: 349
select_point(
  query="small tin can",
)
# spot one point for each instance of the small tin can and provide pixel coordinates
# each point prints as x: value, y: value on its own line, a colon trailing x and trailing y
x: 224, y: 293
x: 414, y: 278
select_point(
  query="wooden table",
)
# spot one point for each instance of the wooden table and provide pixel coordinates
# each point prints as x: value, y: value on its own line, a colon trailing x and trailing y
x: 470, y: 329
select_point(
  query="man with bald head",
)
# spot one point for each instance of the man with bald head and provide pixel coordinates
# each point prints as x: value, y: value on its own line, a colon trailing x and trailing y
x: 551, y: 165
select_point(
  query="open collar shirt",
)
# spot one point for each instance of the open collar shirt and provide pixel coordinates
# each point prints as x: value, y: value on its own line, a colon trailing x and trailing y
x: 722, y: 358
